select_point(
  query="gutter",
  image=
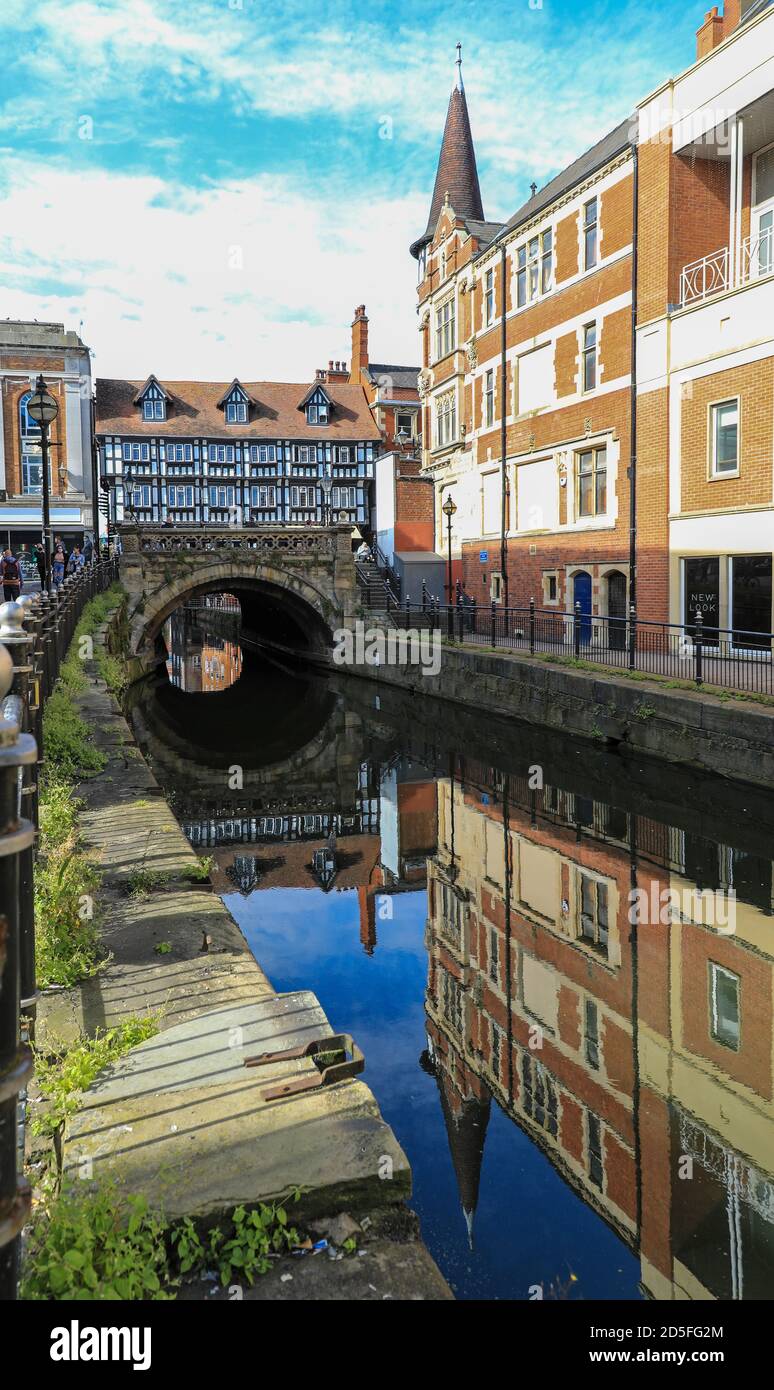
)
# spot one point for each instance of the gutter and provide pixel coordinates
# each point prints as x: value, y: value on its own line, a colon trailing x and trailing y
x: 503, y: 435
x: 633, y: 415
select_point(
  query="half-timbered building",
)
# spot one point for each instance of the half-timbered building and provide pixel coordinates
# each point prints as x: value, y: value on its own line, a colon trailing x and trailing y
x: 239, y: 454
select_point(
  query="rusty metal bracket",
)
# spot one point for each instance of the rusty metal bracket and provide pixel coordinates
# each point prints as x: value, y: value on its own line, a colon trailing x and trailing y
x: 327, y: 1072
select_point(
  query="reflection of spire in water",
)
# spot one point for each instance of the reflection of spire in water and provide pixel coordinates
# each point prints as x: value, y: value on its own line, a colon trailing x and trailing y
x: 466, y: 1132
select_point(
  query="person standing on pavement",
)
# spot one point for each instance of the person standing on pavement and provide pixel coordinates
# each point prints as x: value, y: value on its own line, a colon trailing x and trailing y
x: 58, y: 567
x: 40, y: 561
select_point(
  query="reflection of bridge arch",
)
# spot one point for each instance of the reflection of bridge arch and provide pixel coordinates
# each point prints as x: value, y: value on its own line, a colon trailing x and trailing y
x: 196, y: 737
x: 294, y: 586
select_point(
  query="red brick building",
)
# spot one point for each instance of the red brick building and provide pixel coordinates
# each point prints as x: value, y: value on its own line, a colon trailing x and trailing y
x: 27, y: 349
x: 526, y: 330
x: 590, y: 464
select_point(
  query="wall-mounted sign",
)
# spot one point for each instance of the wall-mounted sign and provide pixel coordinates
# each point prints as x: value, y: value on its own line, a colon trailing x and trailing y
x: 483, y: 556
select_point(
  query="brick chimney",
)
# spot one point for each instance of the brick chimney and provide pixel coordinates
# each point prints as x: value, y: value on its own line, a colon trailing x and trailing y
x: 359, y: 343
x: 717, y: 27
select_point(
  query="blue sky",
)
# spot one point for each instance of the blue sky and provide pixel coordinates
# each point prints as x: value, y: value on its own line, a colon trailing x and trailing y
x: 211, y: 186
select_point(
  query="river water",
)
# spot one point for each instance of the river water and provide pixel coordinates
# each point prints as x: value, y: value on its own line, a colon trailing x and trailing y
x: 558, y: 963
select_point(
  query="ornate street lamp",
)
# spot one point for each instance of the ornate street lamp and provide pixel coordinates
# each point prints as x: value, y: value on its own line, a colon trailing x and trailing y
x: 404, y: 438
x: 449, y: 508
x: 43, y: 409
x: 326, y: 484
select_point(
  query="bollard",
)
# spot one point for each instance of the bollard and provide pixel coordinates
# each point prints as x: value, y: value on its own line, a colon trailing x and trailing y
x: 632, y: 637
x: 17, y: 750
x: 698, y: 646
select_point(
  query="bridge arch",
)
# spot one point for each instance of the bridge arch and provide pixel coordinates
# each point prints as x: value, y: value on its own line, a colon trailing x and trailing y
x: 296, y: 594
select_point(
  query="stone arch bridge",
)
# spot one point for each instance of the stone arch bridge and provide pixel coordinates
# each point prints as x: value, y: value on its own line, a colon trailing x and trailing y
x: 296, y: 585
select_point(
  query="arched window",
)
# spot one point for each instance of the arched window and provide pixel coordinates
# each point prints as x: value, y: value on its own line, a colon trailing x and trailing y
x: 31, y: 455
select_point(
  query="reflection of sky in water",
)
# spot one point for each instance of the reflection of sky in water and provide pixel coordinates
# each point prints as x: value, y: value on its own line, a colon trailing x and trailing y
x: 530, y: 1227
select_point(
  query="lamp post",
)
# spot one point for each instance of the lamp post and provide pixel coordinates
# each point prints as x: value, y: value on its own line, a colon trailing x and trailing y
x: 449, y: 508
x: 326, y: 484
x: 403, y: 437
x: 43, y: 409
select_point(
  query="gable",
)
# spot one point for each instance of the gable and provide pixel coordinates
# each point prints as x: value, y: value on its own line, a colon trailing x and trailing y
x: 151, y: 391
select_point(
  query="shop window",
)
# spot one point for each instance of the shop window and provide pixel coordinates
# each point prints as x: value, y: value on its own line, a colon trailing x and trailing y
x: 702, y: 595
x: 750, y: 615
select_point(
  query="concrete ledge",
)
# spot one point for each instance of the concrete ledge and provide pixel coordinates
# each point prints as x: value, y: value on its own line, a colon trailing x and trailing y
x: 183, y: 1121
x: 732, y: 738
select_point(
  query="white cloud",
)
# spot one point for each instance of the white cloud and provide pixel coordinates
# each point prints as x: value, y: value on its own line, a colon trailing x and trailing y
x: 540, y: 91
x: 250, y: 278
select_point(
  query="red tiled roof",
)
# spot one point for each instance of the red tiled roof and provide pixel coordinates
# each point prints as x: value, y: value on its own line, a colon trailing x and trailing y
x: 193, y: 411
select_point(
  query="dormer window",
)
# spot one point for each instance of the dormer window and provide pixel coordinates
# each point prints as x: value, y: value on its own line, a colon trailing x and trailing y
x: 235, y: 404
x: 152, y: 400
x: 316, y: 406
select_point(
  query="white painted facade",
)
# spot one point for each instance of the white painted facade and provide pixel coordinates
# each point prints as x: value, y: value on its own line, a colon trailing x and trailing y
x: 721, y: 108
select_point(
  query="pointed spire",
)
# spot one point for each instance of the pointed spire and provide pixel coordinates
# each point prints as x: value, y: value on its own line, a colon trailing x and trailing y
x: 457, y: 175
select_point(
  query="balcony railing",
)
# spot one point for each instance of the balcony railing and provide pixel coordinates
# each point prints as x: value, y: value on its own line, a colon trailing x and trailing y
x: 713, y: 274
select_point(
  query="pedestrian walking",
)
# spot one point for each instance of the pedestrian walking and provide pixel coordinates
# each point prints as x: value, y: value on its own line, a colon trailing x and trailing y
x: 11, y: 576
x: 76, y: 561
x: 40, y: 560
x: 58, y: 566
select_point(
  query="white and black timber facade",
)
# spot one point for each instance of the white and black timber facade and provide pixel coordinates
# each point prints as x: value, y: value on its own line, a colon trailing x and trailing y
x: 239, y: 454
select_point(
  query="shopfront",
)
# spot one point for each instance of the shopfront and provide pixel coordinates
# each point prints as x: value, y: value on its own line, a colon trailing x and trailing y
x: 731, y: 592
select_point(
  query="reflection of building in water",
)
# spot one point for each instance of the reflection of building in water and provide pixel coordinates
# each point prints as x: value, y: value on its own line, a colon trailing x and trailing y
x: 409, y: 818
x: 336, y: 851
x: 620, y: 1050
x: 707, y: 1116
x: 199, y: 660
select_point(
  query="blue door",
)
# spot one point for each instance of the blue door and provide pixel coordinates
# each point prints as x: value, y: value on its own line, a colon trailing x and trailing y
x: 582, y: 596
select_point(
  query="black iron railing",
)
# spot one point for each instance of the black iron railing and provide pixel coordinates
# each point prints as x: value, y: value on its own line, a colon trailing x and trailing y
x: 34, y: 637
x: 733, y: 659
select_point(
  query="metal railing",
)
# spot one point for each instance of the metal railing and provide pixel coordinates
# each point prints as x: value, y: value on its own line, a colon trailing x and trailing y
x: 34, y: 636
x: 376, y: 589
x: 714, y: 273
x: 390, y: 573
x: 732, y: 659
x: 708, y: 275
